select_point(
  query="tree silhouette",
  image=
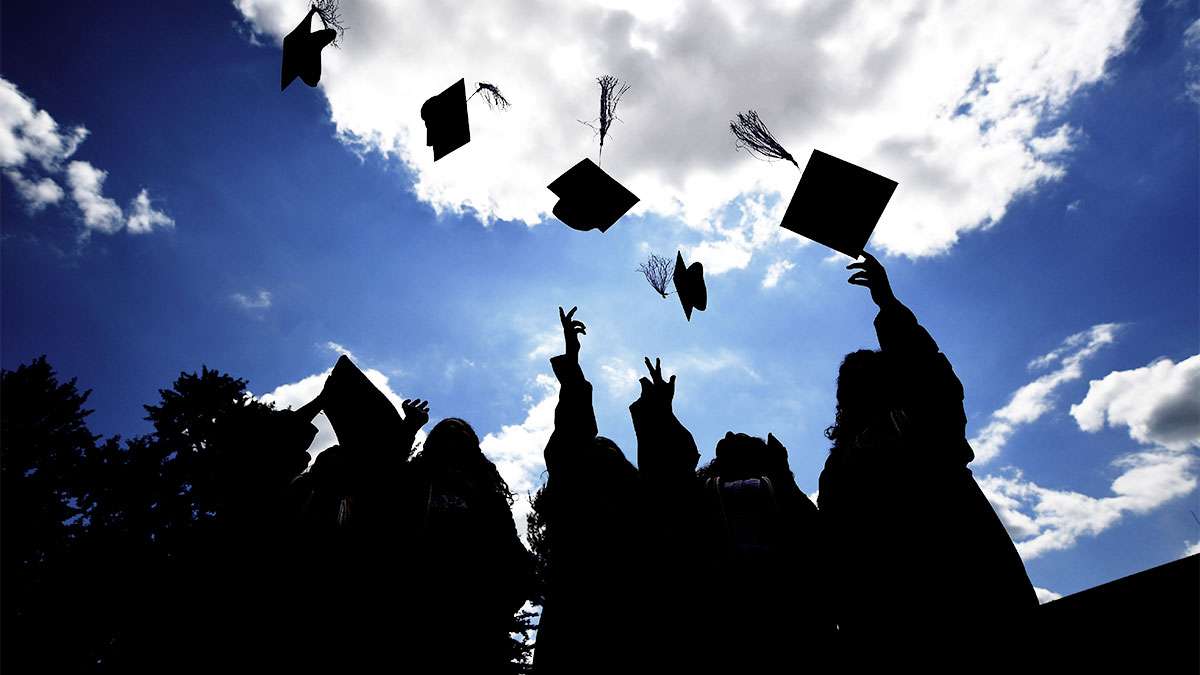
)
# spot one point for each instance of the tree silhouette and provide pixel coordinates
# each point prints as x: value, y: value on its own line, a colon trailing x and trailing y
x: 42, y: 514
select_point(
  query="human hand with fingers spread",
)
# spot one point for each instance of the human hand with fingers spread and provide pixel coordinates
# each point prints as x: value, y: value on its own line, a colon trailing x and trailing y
x: 872, y: 275
x: 572, y: 329
x: 416, y: 413
x: 654, y: 388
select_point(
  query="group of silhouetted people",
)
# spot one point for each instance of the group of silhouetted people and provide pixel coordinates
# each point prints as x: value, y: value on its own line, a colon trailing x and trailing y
x: 375, y: 551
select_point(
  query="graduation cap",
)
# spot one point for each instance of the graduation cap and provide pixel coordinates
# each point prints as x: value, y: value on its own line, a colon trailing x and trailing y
x: 302, y: 52
x: 360, y: 414
x: 589, y: 198
x: 446, y: 124
x: 837, y: 203
x: 689, y: 284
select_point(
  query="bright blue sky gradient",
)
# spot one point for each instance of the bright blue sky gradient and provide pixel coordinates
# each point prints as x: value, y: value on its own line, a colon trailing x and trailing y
x: 264, y: 196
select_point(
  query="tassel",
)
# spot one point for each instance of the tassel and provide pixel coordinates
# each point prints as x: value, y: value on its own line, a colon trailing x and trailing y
x: 754, y: 137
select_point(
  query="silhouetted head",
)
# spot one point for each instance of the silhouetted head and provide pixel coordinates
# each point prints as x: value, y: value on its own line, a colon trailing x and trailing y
x: 453, y: 447
x: 864, y: 396
x: 451, y: 441
x: 740, y: 456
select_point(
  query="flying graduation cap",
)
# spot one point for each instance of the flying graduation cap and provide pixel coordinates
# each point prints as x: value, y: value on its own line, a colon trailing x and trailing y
x: 836, y: 203
x: 689, y: 285
x: 302, y: 47
x: 360, y: 414
x: 447, y: 125
x: 588, y: 198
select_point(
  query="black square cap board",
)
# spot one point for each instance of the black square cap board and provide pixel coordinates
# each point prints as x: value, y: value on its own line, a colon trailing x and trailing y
x: 446, y: 125
x: 837, y: 203
x: 589, y: 198
x: 358, y: 412
x: 302, y: 53
x: 689, y: 285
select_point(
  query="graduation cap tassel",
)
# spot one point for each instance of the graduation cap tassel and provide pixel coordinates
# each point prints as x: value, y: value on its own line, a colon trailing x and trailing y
x: 753, y: 135
x: 491, y: 96
x: 330, y: 12
x: 658, y: 271
x: 611, y: 91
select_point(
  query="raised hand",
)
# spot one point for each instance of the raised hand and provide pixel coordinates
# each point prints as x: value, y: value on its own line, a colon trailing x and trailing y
x: 571, y: 330
x: 872, y: 275
x: 655, y: 388
x: 416, y: 412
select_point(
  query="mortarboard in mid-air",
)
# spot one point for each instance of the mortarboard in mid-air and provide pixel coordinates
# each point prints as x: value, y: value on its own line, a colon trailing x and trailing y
x: 689, y: 285
x: 837, y: 203
x: 589, y: 198
x: 302, y: 52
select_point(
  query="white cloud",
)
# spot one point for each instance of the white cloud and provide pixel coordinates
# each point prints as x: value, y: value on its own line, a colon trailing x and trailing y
x: 1041, y: 519
x: 87, y: 189
x: 37, y: 194
x: 29, y: 135
x: 619, y: 378
x: 1157, y: 402
x: 260, y: 300
x: 1160, y: 403
x: 775, y: 272
x: 1045, y: 595
x: 1074, y: 206
x: 143, y: 217
x: 1191, y: 39
x: 1035, y: 399
x: 517, y: 449
x: 1190, y: 549
x: 957, y: 101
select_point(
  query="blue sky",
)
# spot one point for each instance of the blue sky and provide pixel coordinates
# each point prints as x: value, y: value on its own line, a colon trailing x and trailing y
x: 360, y: 243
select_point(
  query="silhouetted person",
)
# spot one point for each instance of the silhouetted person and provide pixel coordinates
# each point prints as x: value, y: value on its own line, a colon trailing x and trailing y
x: 766, y: 599
x: 355, y: 513
x: 591, y: 509
x: 923, y: 571
x: 468, y: 571
x: 676, y: 560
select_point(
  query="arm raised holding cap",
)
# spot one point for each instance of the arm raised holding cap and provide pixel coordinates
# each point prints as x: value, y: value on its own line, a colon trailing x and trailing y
x: 925, y: 390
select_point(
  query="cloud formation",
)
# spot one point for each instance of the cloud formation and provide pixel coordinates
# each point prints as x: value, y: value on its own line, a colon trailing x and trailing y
x: 32, y: 143
x: 1042, y: 519
x: 960, y: 103
x: 1160, y: 403
x: 260, y: 300
x: 1035, y: 399
x: 517, y: 449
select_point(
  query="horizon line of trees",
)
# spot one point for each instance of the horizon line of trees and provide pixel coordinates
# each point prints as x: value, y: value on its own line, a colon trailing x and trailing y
x: 109, y: 543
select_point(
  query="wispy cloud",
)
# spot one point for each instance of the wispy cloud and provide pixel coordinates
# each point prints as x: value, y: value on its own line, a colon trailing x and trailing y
x: 775, y: 273
x: 1035, y: 399
x: 256, y: 301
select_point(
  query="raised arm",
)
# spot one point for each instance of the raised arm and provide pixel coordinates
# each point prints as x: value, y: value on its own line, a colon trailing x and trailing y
x: 666, y: 450
x: 574, y: 417
x: 931, y: 393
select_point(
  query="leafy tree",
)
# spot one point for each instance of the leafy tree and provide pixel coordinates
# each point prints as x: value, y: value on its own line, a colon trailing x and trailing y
x: 43, y: 441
